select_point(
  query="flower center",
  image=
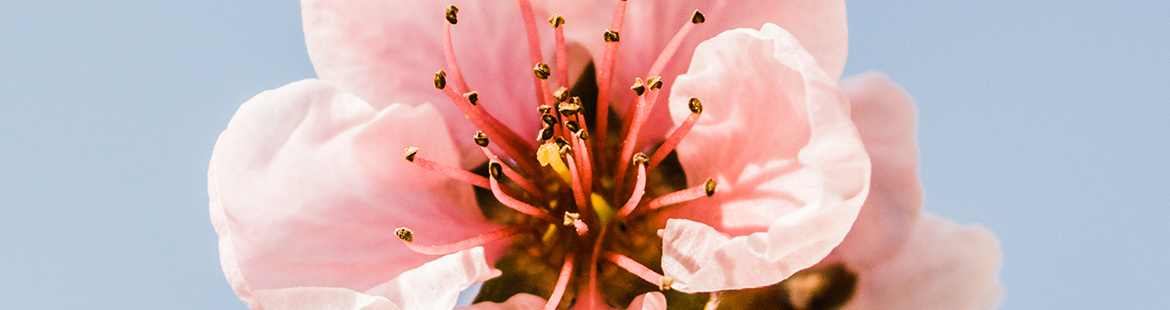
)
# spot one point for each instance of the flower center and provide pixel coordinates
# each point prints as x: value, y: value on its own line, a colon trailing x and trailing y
x: 578, y: 207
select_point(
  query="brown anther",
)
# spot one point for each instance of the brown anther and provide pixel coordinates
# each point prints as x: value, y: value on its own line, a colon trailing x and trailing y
x: 696, y: 106
x: 710, y: 187
x: 440, y: 79
x: 561, y: 94
x: 561, y: 141
x: 545, y: 133
x: 409, y: 152
x: 569, y: 108
x: 481, y: 139
x: 654, y: 82
x: 571, y: 217
x: 667, y: 282
x: 639, y: 87
x: 556, y: 21
x: 549, y: 119
x: 611, y: 36
x: 405, y: 234
x: 572, y: 126
x: 697, y: 17
x: 582, y: 134
x: 452, y: 11
x: 565, y: 149
x: 472, y: 97
x: 641, y: 158
x: 544, y: 109
x: 541, y: 70
x: 495, y: 169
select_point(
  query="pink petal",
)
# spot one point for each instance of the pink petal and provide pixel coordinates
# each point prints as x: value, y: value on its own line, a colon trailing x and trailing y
x: 516, y: 302
x: 941, y: 266
x: 434, y: 285
x: 319, y: 298
x: 308, y: 183
x: 884, y: 116
x: 775, y: 135
x: 387, y: 51
x: 649, y: 301
x: 820, y: 26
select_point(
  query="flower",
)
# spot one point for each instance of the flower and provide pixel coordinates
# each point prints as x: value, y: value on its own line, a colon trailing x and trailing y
x: 905, y: 260
x: 315, y: 207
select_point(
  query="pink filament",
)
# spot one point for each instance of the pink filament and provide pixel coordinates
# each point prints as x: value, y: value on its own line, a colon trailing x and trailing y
x: 465, y: 244
x: 605, y: 75
x: 673, y: 140
x: 452, y: 172
x: 670, y: 49
x: 533, y: 40
x: 517, y: 205
x: 562, y: 58
x: 452, y: 65
x: 578, y: 192
x: 562, y: 283
x: 679, y: 197
x: 511, y: 143
x: 515, y: 177
x: 634, y: 267
x: 636, y: 196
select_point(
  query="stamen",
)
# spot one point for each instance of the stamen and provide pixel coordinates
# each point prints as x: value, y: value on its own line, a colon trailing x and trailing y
x: 574, y: 220
x: 639, y: 270
x: 472, y: 97
x: 407, y: 237
x: 678, y: 134
x: 639, y: 188
x: 513, y: 145
x: 675, y: 42
x: 449, y: 50
x: 561, y: 94
x: 533, y: 42
x: 639, y: 117
x: 541, y: 70
x: 639, y: 87
x: 494, y: 171
x: 578, y: 191
x: 562, y: 283
x: 411, y: 154
x: 569, y: 108
x: 706, y: 190
x: 605, y: 74
x: 482, y: 141
x: 562, y: 52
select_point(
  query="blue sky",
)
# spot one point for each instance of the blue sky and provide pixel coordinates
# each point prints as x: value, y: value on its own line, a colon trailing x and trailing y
x: 1046, y: 121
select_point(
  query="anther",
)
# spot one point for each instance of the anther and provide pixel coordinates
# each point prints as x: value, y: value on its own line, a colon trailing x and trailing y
x: 572, y: 126
x: 640, y: 159
x: 611, y: 36
x: 541, y: 70
x: 571, y: 217
x: 452, y: 11
x: 697, y: 17
x: 667, y: 281
x: 696, y: 106
x: 495, y: 169
x: 566, y: 149
x: 410, y: 152
x: 639, y: 87
x: 560, y: 141
x: 405, y: 234
x: 549, y: 120
x: 582, y: 134
x: 440, y: 79
x: 569, y: 108
x: 544, y: 109
x: 709, y: 187
x: 472, y: 97
x: 654, y: 82
x: 557, y: 21
x: 481, y: 139
x: 545, y: 133
x: 561, y: 94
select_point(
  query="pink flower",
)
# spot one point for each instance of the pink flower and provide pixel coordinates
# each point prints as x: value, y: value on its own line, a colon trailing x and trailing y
x: 310, y: 196
x: 905, y: 260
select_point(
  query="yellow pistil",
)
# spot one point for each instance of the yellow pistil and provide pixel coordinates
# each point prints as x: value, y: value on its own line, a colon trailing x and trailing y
x: 549, y: 155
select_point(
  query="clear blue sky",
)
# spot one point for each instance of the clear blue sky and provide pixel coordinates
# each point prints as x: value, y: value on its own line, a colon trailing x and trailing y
x: 1047, y: 121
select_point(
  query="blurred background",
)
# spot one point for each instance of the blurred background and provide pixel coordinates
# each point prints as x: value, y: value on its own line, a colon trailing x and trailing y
x: 1046, y: 121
